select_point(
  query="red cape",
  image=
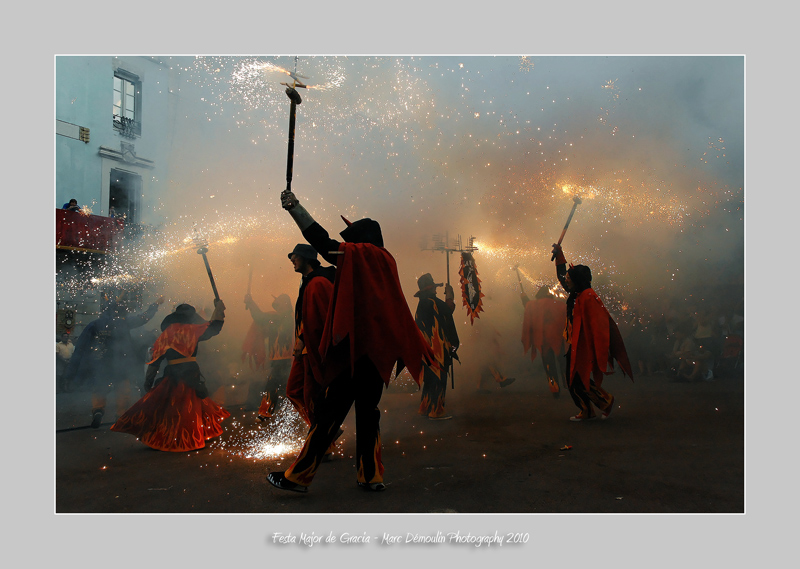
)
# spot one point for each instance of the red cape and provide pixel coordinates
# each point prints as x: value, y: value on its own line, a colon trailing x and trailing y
x: 278, y: 327
x: 368, y: 316
x: 543, y: 326
x: 596, y: 341
x: 253, y: 347
x: 316, y: 300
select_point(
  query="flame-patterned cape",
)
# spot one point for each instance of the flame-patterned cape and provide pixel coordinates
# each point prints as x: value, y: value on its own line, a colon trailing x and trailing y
x: 277, y: 327
x: 171, y: 417
x: 183, y: 338
x: 543, y: 326
x: 253, y: 350
x: 368, y: 316
x: 596, y: 341
x: 435, y: 320
x: 470, y: 286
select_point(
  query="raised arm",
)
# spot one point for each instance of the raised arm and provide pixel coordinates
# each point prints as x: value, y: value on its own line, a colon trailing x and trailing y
x: 314, y: 233
x: 561, y: 264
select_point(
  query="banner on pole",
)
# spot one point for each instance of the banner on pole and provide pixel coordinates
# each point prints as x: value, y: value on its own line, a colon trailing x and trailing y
x: 470, y: 286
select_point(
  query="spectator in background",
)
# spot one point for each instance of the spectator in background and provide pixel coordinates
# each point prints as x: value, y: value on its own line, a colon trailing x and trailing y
x: 700, y: 364
x: 682, y: 351
x: 707, y: 333
x: 105, y: 357
x: 658, y: 343
x: 632, y: 328
x: 64, y: 350
x: 737, y: 320
x: 71, y: 205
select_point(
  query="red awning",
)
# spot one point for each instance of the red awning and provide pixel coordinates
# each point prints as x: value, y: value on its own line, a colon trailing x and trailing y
x: 92, y: 233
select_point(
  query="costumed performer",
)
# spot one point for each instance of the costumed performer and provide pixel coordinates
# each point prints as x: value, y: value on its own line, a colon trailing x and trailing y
x: 311, y: 308
x: 369, y: 329
x: 594, y: 341
x: 543, y: 332
x: 276, y: 327
x: 105, y: 355
x: 176, y: 414
x: 434, y: 317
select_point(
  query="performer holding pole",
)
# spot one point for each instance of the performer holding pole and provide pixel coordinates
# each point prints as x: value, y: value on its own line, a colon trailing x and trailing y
x: 176, y: 414
x: 593, y: 337
x: 543, y: 332
x: 434, y: 317
x: 369, y: 331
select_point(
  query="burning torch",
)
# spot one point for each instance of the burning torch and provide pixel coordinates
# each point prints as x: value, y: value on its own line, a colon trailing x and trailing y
x: 576, y: 201
x: 202, y: 245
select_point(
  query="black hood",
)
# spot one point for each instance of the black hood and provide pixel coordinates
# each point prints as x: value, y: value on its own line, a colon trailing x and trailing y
x: 184, y: 314
x: 363, y: 231
x: 581, y: 277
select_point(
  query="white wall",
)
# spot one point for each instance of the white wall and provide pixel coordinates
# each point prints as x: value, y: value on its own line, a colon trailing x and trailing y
x: 83, y: 97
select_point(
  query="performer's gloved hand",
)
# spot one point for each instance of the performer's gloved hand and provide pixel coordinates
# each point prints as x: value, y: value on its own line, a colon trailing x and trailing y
x: 558, y: 255
x: 301, y: 217
x: 299, y: 346
x: 219, y: 310
x: 288, y: 200
x: 448, y: 292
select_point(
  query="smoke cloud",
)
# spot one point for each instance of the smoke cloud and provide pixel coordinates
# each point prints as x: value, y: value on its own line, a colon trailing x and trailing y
x: 490, y: 147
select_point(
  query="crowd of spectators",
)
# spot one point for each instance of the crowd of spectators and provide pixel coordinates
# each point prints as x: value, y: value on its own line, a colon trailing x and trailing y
x: 690, y: 340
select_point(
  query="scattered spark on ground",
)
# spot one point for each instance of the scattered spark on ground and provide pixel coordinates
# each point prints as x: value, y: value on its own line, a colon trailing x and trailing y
x: 281, y: 436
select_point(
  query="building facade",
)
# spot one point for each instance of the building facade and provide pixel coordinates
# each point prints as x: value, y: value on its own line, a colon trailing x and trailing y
x: 114, y: 130
x: 114, y: 118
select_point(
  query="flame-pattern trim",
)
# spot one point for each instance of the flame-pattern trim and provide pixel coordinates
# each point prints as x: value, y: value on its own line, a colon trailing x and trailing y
x: 182, y: 338
x: 471, y: 294
x: 173, y: 418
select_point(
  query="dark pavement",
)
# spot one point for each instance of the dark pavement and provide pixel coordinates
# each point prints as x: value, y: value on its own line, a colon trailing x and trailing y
x: 661, y: 483
x: 667, y: 448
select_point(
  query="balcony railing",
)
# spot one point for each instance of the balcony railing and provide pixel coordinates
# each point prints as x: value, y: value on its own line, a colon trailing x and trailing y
x: 78, y: 231
x: 129, y: 128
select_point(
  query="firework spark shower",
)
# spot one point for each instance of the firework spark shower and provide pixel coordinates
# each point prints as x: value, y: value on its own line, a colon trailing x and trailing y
x: 494, y: 147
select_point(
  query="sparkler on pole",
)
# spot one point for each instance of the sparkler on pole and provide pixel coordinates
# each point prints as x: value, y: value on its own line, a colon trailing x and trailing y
x: 444, y: 246
x: 202, y: 245
x: 295, y: 99
x: 576, y: 201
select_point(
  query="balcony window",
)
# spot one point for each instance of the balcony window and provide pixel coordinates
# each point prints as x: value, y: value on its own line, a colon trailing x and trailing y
x: 126, y: 104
